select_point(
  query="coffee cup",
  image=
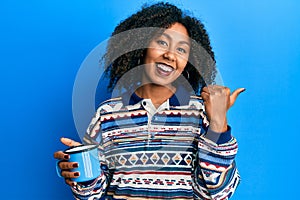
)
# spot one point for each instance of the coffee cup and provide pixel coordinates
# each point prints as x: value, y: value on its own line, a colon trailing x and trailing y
x: 88, y: 162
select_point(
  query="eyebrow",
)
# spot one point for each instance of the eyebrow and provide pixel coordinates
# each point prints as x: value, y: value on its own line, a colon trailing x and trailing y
x: 170, y: 38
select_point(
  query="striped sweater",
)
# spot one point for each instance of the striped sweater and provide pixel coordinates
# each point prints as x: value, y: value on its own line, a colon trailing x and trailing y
x: 164, y: 153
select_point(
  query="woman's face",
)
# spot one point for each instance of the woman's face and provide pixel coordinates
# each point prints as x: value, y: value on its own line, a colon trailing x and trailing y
x: 167, y: 56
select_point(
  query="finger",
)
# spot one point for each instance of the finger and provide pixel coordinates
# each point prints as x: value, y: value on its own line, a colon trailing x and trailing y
x: 68, y: 174
x: 67, y: 165
x: 235, y: 94
x: 205, y: 89
x: 214, y: 89
x: 70, y: 183
x: 69, y: 142
x: 61, y: 155
x: 211, y: 89
x: 205, y: 96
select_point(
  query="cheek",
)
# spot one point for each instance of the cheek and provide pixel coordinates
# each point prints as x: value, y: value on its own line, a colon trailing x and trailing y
x: 182, y: 65
x: 152, y: 53
x: 182, y: 62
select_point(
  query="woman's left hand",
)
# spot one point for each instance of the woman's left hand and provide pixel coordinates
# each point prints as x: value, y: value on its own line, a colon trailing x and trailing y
x: 217, y: 101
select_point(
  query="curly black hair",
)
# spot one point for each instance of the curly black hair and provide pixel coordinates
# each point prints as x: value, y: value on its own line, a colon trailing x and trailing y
x: 200, y: 69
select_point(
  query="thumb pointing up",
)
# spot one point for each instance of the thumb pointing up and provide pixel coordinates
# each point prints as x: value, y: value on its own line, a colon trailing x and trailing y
x: 235, y: 94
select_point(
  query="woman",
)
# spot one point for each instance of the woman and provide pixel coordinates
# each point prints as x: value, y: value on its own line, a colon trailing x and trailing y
x: 157, y: 141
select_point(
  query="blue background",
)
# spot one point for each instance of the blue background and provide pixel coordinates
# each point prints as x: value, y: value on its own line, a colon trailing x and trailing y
x: 43, y: 43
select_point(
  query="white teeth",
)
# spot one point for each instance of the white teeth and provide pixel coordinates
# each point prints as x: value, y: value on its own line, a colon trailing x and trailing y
x: 165, y: 67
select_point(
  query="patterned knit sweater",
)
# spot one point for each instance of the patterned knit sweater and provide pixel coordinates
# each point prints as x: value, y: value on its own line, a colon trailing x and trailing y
x: 164, y: 153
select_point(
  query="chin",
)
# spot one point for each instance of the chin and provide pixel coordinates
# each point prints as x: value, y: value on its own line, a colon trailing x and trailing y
x: 161, y: 82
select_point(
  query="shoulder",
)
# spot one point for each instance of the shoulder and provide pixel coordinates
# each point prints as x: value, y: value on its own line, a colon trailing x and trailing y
x: 196, y: 98
x: 117, y: 105
x: 196, y: 102
x: 193, y: 103
x: 110, y: 105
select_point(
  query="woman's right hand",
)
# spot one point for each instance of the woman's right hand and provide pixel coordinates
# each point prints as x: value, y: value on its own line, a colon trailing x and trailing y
x: 64, y: 164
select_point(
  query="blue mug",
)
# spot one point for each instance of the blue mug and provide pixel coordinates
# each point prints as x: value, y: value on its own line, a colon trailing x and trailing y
x: 88, y: 162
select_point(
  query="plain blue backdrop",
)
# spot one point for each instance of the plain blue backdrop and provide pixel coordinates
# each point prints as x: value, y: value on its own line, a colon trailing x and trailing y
x: 43, y: 43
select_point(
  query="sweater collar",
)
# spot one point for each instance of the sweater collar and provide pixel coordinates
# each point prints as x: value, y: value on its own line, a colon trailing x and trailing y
x: 179, y: 98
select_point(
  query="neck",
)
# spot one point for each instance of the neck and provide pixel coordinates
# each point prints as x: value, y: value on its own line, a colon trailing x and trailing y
x: 157, y: 93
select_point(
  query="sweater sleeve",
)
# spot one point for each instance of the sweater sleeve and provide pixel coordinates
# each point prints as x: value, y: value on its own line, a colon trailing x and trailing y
x: 96, y: 188
x: 216, y: 174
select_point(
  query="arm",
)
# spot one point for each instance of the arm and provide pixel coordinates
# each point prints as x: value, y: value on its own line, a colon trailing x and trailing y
x: 216, y: 174
x: 94, y: 189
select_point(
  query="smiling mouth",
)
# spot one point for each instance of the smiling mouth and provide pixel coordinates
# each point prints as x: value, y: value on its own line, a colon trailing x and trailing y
x: 163, y: 69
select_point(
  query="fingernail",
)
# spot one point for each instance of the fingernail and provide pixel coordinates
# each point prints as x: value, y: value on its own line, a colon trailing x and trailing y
x: 76, y: 174
x: 74, y: 184
x: 75, y: 165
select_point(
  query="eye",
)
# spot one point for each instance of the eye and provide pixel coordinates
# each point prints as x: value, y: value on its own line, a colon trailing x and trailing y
x: 181, y: 50
x: 162, y: 43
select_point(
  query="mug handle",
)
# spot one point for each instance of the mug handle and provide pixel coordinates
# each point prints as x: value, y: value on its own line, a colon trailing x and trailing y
x: 58, y: 170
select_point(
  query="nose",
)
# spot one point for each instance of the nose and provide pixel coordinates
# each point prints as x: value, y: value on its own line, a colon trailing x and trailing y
x: 170, y: 56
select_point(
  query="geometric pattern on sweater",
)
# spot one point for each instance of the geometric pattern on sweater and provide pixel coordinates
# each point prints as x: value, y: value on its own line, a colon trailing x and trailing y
x: 164, y: 155
x: 155, y: 181
x: 155, y: 158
